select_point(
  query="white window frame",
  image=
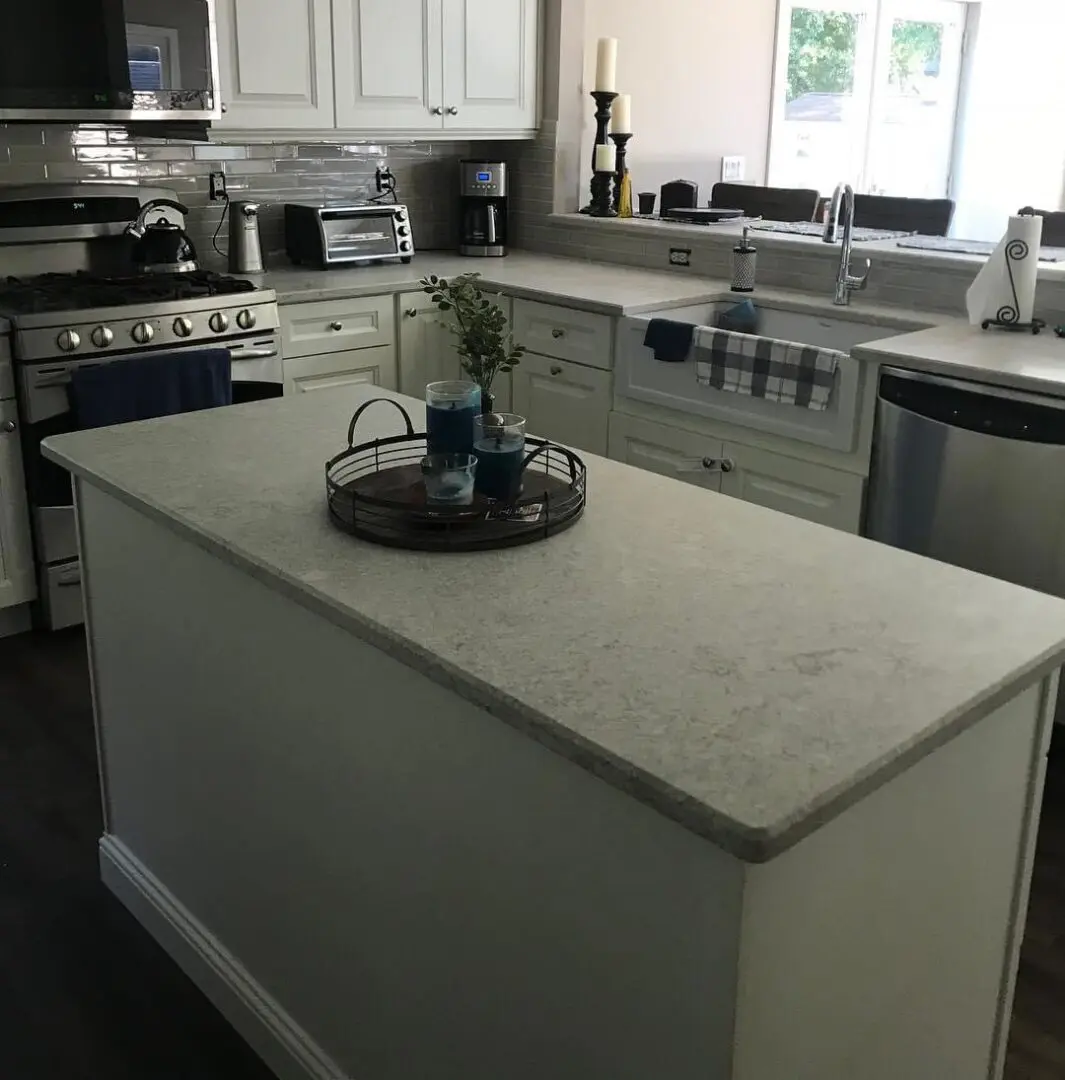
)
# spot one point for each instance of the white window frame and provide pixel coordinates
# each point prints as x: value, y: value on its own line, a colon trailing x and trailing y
x: 166, y: 40
x: 879, y: 11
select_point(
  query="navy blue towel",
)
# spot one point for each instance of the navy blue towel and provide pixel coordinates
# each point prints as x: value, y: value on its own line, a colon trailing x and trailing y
x: 158, y: 384
x: 671, y: 341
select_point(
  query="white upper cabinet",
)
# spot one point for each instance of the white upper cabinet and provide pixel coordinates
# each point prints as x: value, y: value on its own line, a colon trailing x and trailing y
x: 383, y: 57
x: 490, y: 64
x: 275, y: 64
x: 410, y: 67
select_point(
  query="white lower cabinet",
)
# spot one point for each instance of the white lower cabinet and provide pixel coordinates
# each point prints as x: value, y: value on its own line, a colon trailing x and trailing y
x: 332, y: 371
x: 791, y: 485
x: 567, y: 403
x: 814, y: 492
x: 17, y: 585
x: 668, y: 451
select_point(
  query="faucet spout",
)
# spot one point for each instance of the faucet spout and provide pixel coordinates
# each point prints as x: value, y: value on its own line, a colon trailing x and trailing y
x: 842, y: 205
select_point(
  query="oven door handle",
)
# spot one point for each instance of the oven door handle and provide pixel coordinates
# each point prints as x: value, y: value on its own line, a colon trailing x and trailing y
x: 266, y: 353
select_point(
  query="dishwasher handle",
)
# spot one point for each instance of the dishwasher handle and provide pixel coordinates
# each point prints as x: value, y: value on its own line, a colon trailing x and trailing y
x: 987, y: 410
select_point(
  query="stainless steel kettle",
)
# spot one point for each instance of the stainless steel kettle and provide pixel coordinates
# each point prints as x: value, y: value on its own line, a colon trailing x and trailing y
x: 245, y: 248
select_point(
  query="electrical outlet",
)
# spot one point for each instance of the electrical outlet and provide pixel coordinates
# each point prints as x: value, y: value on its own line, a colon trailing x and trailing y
x: 384, y: 179
x: 680, y: 256
x: 218, y: 186
x: 733, y: 169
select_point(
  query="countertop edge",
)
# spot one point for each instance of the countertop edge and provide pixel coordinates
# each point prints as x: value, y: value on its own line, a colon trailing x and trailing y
x: 749, y: 844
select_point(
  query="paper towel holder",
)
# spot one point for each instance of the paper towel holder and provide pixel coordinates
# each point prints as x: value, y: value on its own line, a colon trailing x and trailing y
x: 1006, y: 318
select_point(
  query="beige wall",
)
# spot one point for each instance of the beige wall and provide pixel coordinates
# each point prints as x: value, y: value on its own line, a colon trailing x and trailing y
x: 700, y: 73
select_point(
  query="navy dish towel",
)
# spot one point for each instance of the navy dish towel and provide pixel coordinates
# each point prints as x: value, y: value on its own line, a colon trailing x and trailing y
x: 671, y: 341
x: 159, y: 384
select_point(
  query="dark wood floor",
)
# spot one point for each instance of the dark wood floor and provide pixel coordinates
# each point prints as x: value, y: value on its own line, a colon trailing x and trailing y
x: 86, y: 994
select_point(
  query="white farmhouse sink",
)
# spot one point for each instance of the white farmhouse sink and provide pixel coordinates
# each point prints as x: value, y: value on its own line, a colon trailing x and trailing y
x: 640, y: 377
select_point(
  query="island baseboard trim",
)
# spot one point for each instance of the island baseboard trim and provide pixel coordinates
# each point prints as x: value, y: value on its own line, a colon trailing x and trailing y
x: 256, y: 1015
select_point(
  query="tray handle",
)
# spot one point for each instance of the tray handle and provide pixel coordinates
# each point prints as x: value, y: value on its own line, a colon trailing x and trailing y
x: 365, y: 406
x: 567, y: 454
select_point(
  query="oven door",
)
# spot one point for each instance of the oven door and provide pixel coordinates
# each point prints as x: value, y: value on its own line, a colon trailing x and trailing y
x: 44, y: 405
x: 100, y: 60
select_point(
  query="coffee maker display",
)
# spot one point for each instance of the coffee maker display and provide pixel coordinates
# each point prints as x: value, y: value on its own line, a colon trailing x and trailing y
x: 483, y: 203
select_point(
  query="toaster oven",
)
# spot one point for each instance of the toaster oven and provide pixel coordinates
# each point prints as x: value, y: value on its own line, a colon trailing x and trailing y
x: 326, y: 235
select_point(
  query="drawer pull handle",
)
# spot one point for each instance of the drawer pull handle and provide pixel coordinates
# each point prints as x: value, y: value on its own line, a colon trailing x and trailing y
x: 556, y: 333
x: 336, y: 326
x: 411, y: 313
x: 556, y: 369
x: 7, y: 427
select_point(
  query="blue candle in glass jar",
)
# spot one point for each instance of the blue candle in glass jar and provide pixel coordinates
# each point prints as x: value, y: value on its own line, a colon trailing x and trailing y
x: 499, y: 445
x: 450, y: 410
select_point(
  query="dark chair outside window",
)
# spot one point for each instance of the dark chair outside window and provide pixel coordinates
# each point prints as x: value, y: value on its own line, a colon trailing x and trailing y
x: 1053, y: 225
x: 771, y: 203
x: 929, y: 217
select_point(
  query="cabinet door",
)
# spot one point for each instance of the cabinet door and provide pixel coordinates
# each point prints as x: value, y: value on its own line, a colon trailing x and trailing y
x: 386, y: 56
x: 491, y: 63
x: 16, y: 554
x: 564, y: 402
x: 332, y: 371
x: 668, y: 451
x: 275, y: 64
x: 793, y: 486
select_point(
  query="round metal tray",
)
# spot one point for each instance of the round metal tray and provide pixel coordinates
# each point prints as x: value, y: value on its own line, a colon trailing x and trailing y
x: 375, y: 491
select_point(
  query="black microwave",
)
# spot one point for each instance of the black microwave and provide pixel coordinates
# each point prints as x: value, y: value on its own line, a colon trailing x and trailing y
x: 325, y: 235
x: 109, y: 60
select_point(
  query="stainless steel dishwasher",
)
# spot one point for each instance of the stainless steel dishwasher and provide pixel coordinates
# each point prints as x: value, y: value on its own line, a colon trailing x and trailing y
x: 972, y: 475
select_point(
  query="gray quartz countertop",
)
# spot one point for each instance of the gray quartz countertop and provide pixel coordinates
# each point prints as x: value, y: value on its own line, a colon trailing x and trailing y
x: 1034, y: 363
x: 747, y: 674
x: 610, y: 290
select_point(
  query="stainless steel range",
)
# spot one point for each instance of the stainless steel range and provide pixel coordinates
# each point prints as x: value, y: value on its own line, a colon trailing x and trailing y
x: 73, y: 301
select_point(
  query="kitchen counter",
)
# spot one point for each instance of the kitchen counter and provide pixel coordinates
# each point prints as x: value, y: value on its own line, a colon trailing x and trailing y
x: 600, y: 287
x: 751, y: 696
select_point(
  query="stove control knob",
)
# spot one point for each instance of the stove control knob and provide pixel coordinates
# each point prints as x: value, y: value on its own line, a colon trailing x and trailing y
x: 219, y: 322
x: 102, y: 336
x: 68, y: 340
x: 142, y: 333
x: 246, y: 319
x: 183, y: 326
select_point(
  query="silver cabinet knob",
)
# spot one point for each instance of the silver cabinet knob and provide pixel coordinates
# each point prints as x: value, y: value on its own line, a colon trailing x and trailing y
x: 246, y: 319
x: 411, y: 313
x: 437, y: 110
x: 728, y: 465
x: 183, y: 326
x: 724, y: 465
x: 142, y: 333
x: 556, y: 333
x: 219, y: 322
x: 452, y: 111
x: 225, y: 107
x: 102, y: 336
x: 337, y: 326
x: 7, y: 427
x: 556, y: 369
x: 68, y: 340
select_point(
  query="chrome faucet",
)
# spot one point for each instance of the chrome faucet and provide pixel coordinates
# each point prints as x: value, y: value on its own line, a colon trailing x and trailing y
x: 846, y: 282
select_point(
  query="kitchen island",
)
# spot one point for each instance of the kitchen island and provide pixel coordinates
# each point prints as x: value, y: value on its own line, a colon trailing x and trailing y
x: 693, y: 789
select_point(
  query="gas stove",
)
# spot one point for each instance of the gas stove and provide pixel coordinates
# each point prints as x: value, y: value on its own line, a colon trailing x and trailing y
x: 80, y: 314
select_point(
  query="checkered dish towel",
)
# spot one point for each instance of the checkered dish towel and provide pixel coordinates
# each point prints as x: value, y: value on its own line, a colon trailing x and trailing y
x: 765, y: 368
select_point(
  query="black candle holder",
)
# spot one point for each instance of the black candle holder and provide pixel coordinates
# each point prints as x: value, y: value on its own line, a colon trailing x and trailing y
x: 602, y: 204
x: 620, y: 140
x: 603, y: 100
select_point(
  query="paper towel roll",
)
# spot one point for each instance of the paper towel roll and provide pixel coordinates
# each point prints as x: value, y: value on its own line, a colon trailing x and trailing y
x: 1004, y: 290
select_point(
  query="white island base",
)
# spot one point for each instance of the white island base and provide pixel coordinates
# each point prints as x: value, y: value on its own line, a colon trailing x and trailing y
x: 374, y: 878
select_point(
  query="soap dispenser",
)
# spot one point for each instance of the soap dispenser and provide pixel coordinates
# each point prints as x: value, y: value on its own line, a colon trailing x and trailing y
x: 744, y: 264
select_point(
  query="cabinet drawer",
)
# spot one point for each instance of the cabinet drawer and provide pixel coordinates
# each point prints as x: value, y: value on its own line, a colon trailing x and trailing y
x: 333, y: 371
x: 337, y: 325
x: 667, y: 451
x: 564, y: 333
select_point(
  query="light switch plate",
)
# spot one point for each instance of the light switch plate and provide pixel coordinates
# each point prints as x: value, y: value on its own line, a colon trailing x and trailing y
x: 733, y: 169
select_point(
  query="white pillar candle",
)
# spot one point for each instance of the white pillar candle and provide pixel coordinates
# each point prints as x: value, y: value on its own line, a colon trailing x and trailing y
x: 606, y: 65
x: 606, y: 158
x: 621, y: 116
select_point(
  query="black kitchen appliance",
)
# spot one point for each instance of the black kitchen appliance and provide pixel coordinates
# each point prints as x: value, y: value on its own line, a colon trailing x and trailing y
x: 682, y: 194
x: 161, y: 246
x: 483, y: 208
x: 326, y: 234
x: 101, y: 61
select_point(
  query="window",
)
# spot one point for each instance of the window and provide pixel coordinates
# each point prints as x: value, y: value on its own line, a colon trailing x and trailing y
x: 153, y: 57
x: 867, y: 91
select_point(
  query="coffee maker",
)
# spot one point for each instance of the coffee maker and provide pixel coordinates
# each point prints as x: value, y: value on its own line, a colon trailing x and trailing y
x: 483, y: 208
